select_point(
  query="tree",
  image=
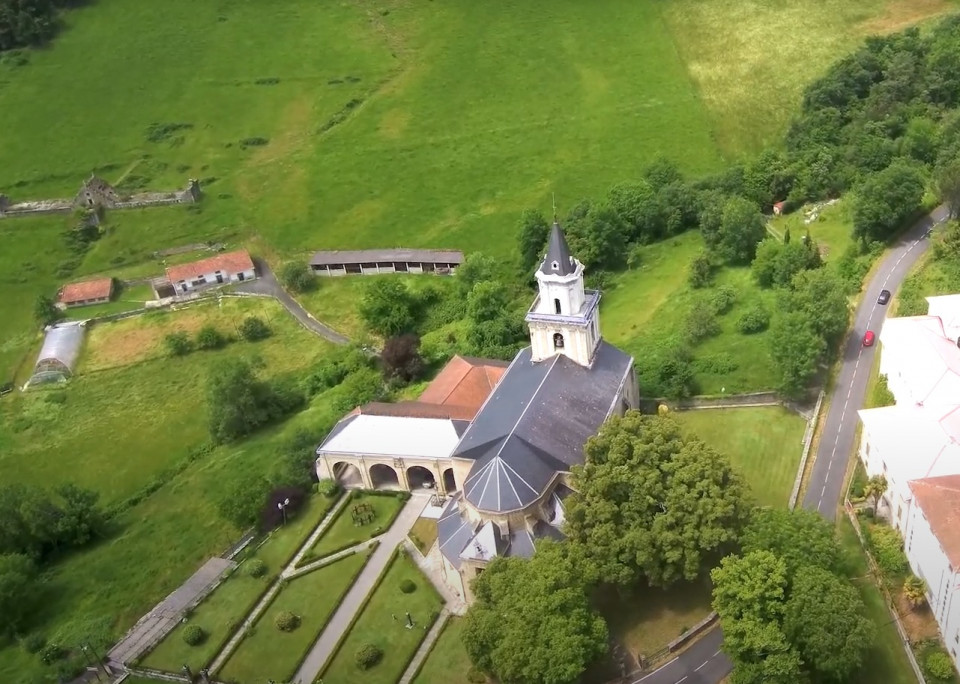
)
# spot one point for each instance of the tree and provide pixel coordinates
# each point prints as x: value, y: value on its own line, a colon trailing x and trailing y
x: 799, y: 537
x: 764, y: 266
x: 915, y: 591
x: 710, y: 217
x: 598, y: 238
x: 79, y: 519
x: 282, y: 504
x: 388, y: 307
x: 487, y: 301
x: 741, y: 229
x: 636, y: 205
x: 476, y: 268
x: 824, y: 620
x: 534, y: 230
x: 17, y: 589
x: 401, y: 358
x: 701, y: 270
x: 45, y: 310
x: 947, y: 179
x: 819, y: 296
x: 796, y: 349
x: 885, y: 200
x: 253, y: 329
x: 661, y: 172
x: 297, y: 276
x: 178, y: 343
x: 208, y: 337
x: 239, y: 402
x: 633, y: 507
x: 518, y: 601
x: 241, y: 500
x: 26, y: 22
x: 875, y: 487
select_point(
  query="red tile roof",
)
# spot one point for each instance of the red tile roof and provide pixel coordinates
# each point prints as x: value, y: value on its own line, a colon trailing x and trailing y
x: 464, y: 382
x: 88, y: 289
x: 229, y: 262
x: 939, y: 499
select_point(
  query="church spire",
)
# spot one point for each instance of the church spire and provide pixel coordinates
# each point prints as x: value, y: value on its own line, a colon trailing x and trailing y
x: 558, y: 260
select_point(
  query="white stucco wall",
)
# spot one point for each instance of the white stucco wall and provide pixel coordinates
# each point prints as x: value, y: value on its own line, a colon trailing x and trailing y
x: 212, y: 278
x: 567, y: 289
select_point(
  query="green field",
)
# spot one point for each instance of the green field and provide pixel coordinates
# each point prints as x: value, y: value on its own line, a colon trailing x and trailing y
x: 448, y: 662
x: 268, y: 653
x: 382, y: 623
x: 763, y: 443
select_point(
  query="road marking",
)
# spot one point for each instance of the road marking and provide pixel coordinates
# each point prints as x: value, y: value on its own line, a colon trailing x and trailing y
x: 681, y: 679
x: 656, y: 671
x: 702, y: 665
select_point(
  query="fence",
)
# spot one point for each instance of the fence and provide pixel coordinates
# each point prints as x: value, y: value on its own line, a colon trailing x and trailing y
x: 807, y: 443
x: 888, y: 600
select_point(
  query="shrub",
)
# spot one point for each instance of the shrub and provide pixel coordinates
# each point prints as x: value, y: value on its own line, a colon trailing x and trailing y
x: 888, y: 549
x: 723, y: 299
x: 253, y: 329
x: 32, y: 643
x: 701, y: 322
x: 475, y: 676
x: 939, y: 666
x: 408, y: 586
x: 296, y: 276
x: 256, y: 568
x: 328, y: 488
x: 368, y: 656
x: 194, y: 635
x: 753, y: 321
x: 51, y: 653
x: 210, y: 338
x: 177, y: 343
x: 700, y: 273
x: 286, y: 621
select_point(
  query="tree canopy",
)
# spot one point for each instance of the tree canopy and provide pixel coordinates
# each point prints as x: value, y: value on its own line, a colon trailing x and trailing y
x: 741, y: 230
x: 532, y: 622
x: 532, y: 239
x: 652, y: 503
x: 17, y: 589
x: 239, y: 402
x: 799, y: 537
x: 387, y: 307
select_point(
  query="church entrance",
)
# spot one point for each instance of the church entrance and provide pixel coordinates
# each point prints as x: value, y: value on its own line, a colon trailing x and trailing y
x: 384, y: 477
x: 348, y: 475
x: 419, y: 477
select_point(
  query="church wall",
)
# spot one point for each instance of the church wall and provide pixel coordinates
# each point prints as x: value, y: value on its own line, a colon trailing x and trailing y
x: 570, y: 294
x: 400, y: 465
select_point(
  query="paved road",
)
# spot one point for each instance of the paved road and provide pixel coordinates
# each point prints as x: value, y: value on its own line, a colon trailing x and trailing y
x: 840, y: 427
x: 702, y: 663
x: 266, y: 284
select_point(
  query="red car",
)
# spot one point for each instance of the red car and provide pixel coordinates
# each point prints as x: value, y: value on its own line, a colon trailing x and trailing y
x: 868, y: 338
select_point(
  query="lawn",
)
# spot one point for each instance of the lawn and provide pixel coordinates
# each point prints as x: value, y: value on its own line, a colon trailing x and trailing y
x: 128, y: 299
x: 832, y: 230
x: 886, y: 661
x: 376, y: 625
x: 448, y: 662
x: 267, y: 653
x: 751, y: 59
x: 763, y: 443
x: 423, y: 534
x: 344, y: 532
x: 651, y: 618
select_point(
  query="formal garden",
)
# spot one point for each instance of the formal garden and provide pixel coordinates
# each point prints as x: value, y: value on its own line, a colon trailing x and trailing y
x: 365, y: 515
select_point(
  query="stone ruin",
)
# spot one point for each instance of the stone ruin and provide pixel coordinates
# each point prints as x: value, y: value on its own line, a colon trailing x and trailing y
x: 96, y: 193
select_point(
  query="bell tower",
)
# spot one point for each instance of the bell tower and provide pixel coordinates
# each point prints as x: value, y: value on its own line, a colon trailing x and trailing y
x: 564, y: 317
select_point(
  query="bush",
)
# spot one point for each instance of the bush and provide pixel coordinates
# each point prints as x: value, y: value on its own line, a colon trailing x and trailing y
x: 286, y: 621
x: 888, y: 548
x: 701, y: 322
x: 32, y: 643
x: 193, y: 635
x: 939, y: 666
x: 328, y: 488
x: 51, y: 653
x: 209, y: 337
x: 475, y: 676
x: 700, y: 273
x: 723, y: 299
x: 254, y: 329
x: 296, y: 276
x: 256, y: 568
x: 753, y: 321
x: 408, y: 586
x: 177, y: 343
x: 368, y: 656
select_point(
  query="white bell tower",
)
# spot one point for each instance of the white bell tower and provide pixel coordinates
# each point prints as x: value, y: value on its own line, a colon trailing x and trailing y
x: 564, y: 317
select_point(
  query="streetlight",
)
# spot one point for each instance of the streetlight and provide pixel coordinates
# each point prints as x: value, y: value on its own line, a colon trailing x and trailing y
x: 283, y: 509
x: 87, y: 651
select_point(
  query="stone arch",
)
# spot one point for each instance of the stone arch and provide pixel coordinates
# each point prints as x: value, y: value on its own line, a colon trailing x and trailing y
x: 419, y: 477
x: 449, y: 481
x: 558, y: 340
x: 347, y: 474
x: 383, y: 476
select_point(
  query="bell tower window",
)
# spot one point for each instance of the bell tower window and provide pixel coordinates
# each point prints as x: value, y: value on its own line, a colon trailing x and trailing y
x: 555, y: 266
x: 556, y: 306
x: 557, y: 341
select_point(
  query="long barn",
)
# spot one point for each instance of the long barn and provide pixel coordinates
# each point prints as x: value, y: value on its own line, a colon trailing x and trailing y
x: 374, y: 261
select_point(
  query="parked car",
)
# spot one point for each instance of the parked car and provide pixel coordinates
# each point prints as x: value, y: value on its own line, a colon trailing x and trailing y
x: 868, y: 338
x: 884, y: 297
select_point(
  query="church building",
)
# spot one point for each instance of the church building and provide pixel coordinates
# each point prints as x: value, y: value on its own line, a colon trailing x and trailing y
x: 498, y: 442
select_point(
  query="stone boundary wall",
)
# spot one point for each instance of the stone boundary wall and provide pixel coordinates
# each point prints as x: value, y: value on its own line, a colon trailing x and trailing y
x: 694, y: 631
x: 712, y: 401
x: 807, y: 443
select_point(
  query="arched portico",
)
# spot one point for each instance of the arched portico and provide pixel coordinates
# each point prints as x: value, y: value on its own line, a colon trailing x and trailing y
x: 449, y: 481
x: 419, y: 477
x: 348, y: 475
x: 383, y: 476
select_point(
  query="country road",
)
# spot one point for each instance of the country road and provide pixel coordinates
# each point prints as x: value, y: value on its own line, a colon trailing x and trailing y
x: 704, y: 662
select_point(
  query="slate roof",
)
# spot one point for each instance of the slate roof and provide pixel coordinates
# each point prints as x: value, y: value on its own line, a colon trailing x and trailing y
x: 360, y: 256
x: 228, y: 262
x: 535, y: 424
x: 453, y: 532
x: 557, y: 252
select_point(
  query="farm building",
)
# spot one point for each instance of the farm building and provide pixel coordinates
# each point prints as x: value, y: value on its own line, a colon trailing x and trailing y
x: 59, y: 353
x: 374, y: 261
x: 85, y: 293
x: 230, y: 267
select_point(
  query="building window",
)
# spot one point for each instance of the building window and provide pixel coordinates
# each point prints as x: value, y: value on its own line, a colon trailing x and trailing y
x: 557, y: 341
x: 884, y: 466
x: 556, y: 306
x: 555, y: 266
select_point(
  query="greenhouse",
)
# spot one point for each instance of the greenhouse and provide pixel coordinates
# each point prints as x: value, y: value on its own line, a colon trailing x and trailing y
x: 59, y: 354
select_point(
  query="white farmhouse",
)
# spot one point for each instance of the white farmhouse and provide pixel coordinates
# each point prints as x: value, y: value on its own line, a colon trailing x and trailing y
x: 229, y: 267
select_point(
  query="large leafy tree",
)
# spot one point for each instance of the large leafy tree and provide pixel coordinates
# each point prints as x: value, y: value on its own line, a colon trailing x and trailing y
x: 741, y: 230
x: 17, y: 589
x: 532, y: 622
x: 598, y: 237
x: 886, y: 199
x: 532, y: 239
x: 799, y: 537
x: 653, y: 503
x: 387, y: 307
x: 239, y: 402
x: 819, y: 295
x: 824, y: 619
x: 796, y: 350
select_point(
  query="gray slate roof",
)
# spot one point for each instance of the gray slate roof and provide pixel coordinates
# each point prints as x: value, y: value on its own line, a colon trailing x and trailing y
x: 535, y: 425
x: 558, y: 252
x: 358, y: 256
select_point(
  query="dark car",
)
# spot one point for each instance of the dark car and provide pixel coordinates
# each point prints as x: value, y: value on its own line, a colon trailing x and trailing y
x: 868, y: 338
x: 884, y: 297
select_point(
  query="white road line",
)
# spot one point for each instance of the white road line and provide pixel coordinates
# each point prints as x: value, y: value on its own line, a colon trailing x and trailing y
x: 702, y: 665
x: 656, y: 671
x: 681, y: 679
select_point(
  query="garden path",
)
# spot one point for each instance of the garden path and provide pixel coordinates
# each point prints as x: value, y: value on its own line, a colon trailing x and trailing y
x: 425, y: 647
x: 341, y: 620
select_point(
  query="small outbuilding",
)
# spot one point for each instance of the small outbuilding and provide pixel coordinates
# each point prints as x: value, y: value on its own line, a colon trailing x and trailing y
x: 86, y: 293
x: 778, y: 208
x: 229, y: 267
x: 59, y: 353
x: 374, y: 261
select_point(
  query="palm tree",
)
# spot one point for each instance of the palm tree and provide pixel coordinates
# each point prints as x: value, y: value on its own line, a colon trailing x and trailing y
x: 875, y: 488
